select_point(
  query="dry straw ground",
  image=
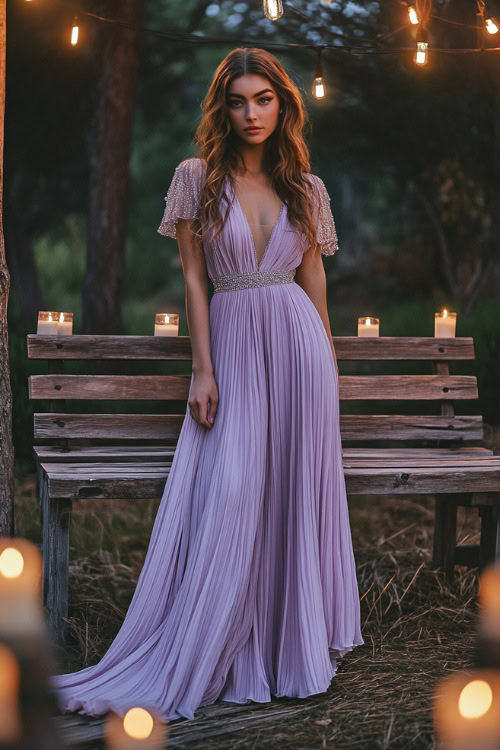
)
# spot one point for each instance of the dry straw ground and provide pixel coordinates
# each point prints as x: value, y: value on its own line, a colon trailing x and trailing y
x: 417, y: 626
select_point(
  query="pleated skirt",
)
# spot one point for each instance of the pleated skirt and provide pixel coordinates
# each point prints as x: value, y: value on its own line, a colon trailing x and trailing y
x: 249, y: 587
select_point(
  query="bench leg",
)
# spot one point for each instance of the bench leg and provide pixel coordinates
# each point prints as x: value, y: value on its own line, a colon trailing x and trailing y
x: 56, y: 528
x: 445, y: 534
x: 489, y: 544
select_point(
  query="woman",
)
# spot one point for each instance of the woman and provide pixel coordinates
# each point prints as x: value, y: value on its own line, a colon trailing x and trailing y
x: 249, y: 586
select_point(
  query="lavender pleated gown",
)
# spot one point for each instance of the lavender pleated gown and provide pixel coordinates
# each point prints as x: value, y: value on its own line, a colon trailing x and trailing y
x: 249, y: 585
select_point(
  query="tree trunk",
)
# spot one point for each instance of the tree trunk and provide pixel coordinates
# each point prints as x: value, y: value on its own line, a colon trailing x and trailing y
x: 6, y: 446
x: 110, y: 146
x: 21, y: 260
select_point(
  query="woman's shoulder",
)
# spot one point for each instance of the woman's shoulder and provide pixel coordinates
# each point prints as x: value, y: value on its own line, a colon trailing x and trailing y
x: 192, y: 166
x: 314, y: 180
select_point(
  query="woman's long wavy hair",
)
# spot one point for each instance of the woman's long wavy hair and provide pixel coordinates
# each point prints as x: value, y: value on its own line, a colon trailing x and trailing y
x: 286, y: 157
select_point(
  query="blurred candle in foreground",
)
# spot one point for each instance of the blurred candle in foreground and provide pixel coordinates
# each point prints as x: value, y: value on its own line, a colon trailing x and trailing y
x: 445, y: 324
x: 489, y: 616
x: 466, y: 709
x: 167, y: 324
x: 138, y: 729
x: 10, y: 719
x: 368, y: 326
x: 21, y: 613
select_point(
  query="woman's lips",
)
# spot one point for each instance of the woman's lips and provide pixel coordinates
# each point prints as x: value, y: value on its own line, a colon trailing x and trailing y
x: 252, y: 130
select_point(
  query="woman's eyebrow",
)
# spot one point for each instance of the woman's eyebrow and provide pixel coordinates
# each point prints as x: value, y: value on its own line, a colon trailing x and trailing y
x: 259, y: 93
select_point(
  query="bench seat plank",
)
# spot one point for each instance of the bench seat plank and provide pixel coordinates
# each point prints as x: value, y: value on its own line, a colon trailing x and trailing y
x: 78, y: 481
x: 107, y: 453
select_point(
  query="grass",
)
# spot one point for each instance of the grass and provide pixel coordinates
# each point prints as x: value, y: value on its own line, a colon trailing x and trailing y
x: 417, y: 626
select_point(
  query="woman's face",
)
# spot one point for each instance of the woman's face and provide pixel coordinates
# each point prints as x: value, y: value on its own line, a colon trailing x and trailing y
x: 252, y: 102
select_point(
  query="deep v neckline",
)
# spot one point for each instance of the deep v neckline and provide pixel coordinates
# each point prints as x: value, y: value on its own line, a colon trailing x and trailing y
x: 257, y: 262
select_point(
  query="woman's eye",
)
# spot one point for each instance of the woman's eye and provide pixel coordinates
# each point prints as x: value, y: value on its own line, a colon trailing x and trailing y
x: 265, y: 99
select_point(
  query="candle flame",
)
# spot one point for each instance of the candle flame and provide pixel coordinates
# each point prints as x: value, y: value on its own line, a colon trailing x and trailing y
x: 61, y: 317
x: 138, y: 723
x: 445, y: 312
x: 167, y: 319
x: 11, y: 563
x: 368, y: 322
x: 50, y: 317
x: 475, y: 699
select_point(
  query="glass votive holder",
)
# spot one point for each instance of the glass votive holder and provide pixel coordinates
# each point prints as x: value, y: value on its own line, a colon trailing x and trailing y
x: 48, y: 322
x: 445, y: 324
x: 65, y: 327
x: 55, y: 323
x: 368, y: 326
x: 21, y: 613
x: 166, y: 324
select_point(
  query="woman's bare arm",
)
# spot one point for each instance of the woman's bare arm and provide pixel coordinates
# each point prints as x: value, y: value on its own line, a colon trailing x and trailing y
x: 310, y: 275
x: 204, y: 396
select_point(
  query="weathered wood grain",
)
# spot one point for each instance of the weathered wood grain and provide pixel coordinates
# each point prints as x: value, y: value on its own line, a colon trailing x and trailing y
x: 164, y: 387
x: 56, y: 521
x: 147, y: 480
x: 168, y: 426
x: 179, y: 347
x: 106, y: 453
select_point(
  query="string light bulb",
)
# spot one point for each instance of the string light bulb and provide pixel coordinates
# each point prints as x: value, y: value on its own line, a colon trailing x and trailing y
x: 412, y: 13
x: 75, y: 30
x: 273, y: 9
x: 420, y: 56
x: 491, y: 25
x: 318, y: 89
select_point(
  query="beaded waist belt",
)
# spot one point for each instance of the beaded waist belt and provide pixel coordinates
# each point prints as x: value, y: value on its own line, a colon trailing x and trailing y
x: 251, y: 279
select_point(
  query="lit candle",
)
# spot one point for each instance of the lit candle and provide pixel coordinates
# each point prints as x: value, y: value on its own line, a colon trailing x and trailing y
x: 445, y: 324
x: 65, y: 325
x: 368, y: 326
x: 466, y: 710
x: 489, y: 600
x: 10, y: 719
x: 166, y: 324
x: 48, y: 322
x: 138, y: 729
x: 21, y: 613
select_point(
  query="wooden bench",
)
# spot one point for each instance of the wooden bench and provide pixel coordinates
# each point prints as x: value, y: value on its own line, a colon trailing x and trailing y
x: 116, y: 455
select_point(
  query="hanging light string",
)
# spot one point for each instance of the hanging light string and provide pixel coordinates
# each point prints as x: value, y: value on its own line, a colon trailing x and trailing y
x: 182, y: 36
x: 419, y: 13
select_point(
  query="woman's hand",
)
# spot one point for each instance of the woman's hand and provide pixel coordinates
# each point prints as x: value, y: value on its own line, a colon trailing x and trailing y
x: 203, y: 399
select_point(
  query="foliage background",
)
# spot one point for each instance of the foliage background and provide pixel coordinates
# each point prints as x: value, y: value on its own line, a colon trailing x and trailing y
x: 409, y: 155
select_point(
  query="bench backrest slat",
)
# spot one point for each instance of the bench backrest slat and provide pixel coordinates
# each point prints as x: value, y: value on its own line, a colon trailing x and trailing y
x: 179, y: 347
x: 164, y: 387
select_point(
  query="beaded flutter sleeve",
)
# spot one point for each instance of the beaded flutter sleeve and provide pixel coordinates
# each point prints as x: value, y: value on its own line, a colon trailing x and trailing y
x: 326, y: 232
x: 182, y: 198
